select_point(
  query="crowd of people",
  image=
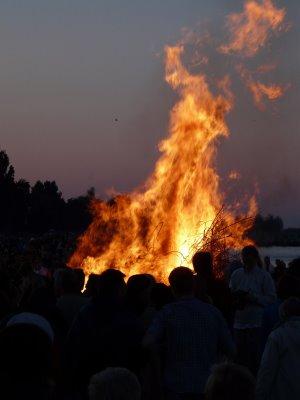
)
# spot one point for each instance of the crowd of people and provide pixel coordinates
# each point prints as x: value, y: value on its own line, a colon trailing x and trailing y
x: 137, y: 339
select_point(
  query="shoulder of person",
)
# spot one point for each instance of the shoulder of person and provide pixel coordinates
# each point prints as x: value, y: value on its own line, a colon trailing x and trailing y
x: 237, y: 273
x: 211, y: 309
x: 176, y: 306
x: 165, y: 310
x: 278, y: 333
x: 264, y: 273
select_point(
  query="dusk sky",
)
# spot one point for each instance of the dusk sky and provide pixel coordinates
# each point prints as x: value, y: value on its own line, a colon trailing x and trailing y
x: 68, y: 69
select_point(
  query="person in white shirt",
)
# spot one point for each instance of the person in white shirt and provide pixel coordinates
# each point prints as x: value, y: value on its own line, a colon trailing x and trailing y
x: 279, y: 374
x: 252, y: 289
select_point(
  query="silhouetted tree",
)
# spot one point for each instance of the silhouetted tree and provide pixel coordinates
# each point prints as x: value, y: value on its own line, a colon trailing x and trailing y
x: 20, y: 205
x: 40, y: 208
x: 46, y: 207
x: 7, y: 171
x: 266, y: 230
x: 7, y: 192
x: 77, y: 214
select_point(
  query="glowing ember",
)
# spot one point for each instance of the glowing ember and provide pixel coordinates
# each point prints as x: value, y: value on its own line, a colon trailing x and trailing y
x: 179, y: 210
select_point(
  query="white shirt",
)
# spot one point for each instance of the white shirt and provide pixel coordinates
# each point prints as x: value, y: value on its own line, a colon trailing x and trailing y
x: 279, y: 374
x: 259, y: 284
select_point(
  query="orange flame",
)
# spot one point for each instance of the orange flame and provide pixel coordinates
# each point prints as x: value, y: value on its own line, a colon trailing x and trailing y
x: 251, y: 29
x: 162, y: 225
x: 260, y: 90
x: 272, y: 92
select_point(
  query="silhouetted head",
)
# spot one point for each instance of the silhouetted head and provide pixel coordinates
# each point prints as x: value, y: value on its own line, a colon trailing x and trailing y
x: 112, y: 284
x: 251, y: 257
x: 280, y: 263
x: 203, y: 264
x: 294, y: 268
x: 92, y: 286
x: 267, y: 261
x: 288, y: 286
x: 57, y: 281
x: 161, y: 295
x: 280, y: 270
x: 25, y: 352
x: 182, y: 281
x: 67, y: 281
x: 79, y: 279
x: 290, y: 308
x: 26, y: 363
x: 114, y: 384
x: 230, y: 381
x: 32, y: 319
x: 139, y: 289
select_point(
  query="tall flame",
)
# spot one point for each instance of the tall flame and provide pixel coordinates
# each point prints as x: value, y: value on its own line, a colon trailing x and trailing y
x: 160, y: 226
x: 179, y: 210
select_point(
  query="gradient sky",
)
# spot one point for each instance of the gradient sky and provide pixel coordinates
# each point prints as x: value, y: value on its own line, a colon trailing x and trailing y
x: 69, y: 68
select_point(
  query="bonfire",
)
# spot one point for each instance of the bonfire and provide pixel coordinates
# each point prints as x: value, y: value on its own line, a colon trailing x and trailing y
x: 180, y: 208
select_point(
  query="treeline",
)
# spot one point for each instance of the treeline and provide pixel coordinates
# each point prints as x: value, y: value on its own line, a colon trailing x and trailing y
x: 270, y: 231
x: 39, y: 208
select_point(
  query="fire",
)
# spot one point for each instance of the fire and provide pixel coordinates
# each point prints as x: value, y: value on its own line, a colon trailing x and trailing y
x: 161, y: 225
x: 250, y: 29
x: 259, y: 90
x: 179, y: 209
